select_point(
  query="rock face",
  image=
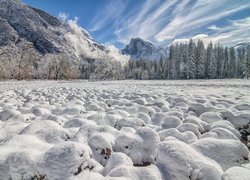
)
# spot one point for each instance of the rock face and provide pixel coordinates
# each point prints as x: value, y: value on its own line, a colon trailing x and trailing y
x: 34, y: 34
x: 139, y: 49
x: 25, y: 24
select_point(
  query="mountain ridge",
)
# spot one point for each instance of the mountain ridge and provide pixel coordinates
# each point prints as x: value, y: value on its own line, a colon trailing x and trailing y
x: 141, y: 49
x: 28, y: 33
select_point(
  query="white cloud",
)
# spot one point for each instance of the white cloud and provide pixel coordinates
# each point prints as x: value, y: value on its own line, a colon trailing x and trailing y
x: 198, y: 17
x: 214, y: 28
x: 161, y: 21
x: 204, y: 37
x: 235, y: 32
x: 111, y: 12
x: 115, y: 54
x: 63, y: 16
x: 85, y: 45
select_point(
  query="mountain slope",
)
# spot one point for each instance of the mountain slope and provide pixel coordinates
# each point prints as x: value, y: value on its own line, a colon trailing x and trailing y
x: 30, y: 34
x: 140, y: 49
x: 242, y: 45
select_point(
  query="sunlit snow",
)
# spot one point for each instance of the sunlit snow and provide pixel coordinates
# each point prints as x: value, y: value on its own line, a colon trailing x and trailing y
x: 197, y: 129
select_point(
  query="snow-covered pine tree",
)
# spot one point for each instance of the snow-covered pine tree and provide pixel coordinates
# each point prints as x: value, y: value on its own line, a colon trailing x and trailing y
x: 247, y: 63
x: 170, y: 60
x: 212, y: 65
x: 225, y: 65
x: 159, y: 70
x: 241, y: 55
x: 200, y: 60
x: 216, y: 59
x: 232, y: 63
x: 191, y: 67
x: 220, y: 60
x: 176, y: 62
x: 152, y: 72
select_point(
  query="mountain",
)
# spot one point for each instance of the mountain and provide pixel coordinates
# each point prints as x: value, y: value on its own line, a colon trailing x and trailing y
x: 141, y: 49
x: 242, y: 45
x: 34, y: 36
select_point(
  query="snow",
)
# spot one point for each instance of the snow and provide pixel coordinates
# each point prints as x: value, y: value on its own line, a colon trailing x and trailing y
x: 125, y: 129
x: 236, y: 173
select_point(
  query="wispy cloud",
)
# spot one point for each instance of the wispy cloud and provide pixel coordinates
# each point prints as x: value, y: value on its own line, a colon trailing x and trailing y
x: 167, y: 20
x: 108, y: 14
x: 235, y: 32
x: 200, y: 15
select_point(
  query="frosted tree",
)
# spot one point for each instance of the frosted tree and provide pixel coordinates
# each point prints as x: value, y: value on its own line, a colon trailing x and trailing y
x: 232, y: 63
x: 191, y: 67
x: 145, y: 75
x: 170, y: 61
x: 225, y: 64
x: 200, y: 60
x: 177, y: 62
x: 212, y: 64
x: 220, y: 60
x: 241, y: 56
x: 183, y: 61
x: 246, y: 70
x: 26, y: 61
x: 152, y: 72
x: 7, y: 65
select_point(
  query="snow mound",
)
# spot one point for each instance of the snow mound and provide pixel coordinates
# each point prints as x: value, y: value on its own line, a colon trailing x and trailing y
x: 227, y: 153
x: 184, y: 162
x: 236, y: 173
x: 124, y: 130
x: 65, y: 160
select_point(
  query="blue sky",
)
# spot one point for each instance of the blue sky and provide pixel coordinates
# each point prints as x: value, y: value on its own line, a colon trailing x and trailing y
x: 160, y: 21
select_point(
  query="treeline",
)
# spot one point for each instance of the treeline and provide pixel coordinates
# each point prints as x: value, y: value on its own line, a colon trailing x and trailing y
x: 185, y: 61
x: 194, y: 61
x: 26, y: 63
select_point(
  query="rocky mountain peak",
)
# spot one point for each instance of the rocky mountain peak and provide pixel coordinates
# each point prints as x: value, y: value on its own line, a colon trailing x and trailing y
x: 141, y: 49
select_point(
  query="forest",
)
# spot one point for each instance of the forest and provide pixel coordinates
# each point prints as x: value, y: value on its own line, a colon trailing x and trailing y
x: 194, y: 61
x: 185, y: 61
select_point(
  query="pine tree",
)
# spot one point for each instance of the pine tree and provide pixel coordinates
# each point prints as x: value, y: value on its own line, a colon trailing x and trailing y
x: 200, y: 60
x: 175, y: 63
x: 170, y: 60
x: 220, y: 61
x: 212, y: 65
x: 232, y: 63
x: 247, y: 63
x: 191, y: 67
x: 183, y: 61
x: 225, y: 65
x: 241, y: 54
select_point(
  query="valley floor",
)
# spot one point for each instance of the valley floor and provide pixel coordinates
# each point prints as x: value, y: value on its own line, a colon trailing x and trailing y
x: 193, y: 129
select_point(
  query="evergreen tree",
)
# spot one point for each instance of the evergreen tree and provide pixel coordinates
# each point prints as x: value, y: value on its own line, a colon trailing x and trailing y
x: 175, y: 63
x: 220, y: 61
x: 232, y: 63
x: 241, y: 52
x: 212, y: 65
x: 200, y: 60
x: 247, y: 63
x: 225, y: 65
x: 170, y: 60
x: 191, y: 67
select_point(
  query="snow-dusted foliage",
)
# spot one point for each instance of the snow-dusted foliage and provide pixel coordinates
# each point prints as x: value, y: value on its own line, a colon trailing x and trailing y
x: 125, y: 130
x: 193, y: 61
x: 36, y: 45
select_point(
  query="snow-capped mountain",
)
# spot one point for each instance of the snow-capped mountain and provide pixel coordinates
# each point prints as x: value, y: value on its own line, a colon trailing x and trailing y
x: 242, y: 45
x: 141, y: 49
x: 27, y: 29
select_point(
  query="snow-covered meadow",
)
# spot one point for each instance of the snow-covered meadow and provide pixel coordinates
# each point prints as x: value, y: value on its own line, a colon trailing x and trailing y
x: 146, y: 130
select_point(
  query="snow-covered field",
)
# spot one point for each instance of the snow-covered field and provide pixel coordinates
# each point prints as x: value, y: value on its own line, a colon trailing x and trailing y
x: 145, y: 130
